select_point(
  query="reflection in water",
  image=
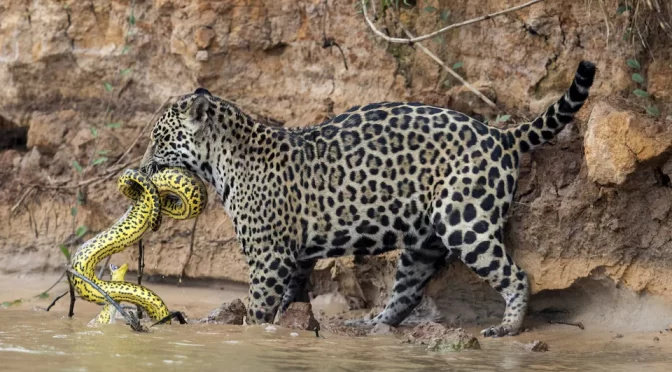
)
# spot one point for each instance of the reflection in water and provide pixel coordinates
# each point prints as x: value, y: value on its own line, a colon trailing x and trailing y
x: 34, y: 341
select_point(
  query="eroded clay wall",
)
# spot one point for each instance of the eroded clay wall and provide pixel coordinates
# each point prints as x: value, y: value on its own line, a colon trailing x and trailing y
x: 594, y: 202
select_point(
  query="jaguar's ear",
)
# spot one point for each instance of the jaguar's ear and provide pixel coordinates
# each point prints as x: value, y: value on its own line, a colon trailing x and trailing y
x: 198, y: 112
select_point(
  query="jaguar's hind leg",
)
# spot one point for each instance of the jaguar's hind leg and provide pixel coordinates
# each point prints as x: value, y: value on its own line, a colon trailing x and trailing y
x: 475, y: 228
x: 511, y: 282
x: 416, y: 266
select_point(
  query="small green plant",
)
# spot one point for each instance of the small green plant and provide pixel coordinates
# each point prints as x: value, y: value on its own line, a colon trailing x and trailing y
x: 641, y: 92
x: 622, y: 8
x: 646, y: 17
x: 66, y: 252
x: 502, y: 118
x: 444, y: 14
x: 81, y: 231
x: 99, y: 160
x: 7, y: 304
x: 77, y: 166
x: 447, y: 83
x: 81, y: 198
x: 633, y: 63
x: 430, y: 9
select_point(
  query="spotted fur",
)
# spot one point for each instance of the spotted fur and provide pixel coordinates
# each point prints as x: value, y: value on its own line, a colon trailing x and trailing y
x: 373, y: 179
x: 174, y: 192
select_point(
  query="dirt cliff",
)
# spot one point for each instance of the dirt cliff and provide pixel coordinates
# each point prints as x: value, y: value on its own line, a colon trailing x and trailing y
x: 80, y: 81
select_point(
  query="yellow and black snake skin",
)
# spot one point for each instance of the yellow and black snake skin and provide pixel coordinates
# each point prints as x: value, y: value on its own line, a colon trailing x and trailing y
x: 109, y: 312
x: 172, y: 191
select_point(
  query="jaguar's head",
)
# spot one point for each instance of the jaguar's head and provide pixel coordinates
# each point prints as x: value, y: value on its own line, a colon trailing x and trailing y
x: 179, y: 137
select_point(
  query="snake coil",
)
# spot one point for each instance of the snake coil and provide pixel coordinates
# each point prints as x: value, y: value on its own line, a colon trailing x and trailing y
x: 171, y: 191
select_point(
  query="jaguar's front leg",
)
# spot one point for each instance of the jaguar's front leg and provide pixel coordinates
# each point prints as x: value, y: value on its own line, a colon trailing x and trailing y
x: 269, y: 277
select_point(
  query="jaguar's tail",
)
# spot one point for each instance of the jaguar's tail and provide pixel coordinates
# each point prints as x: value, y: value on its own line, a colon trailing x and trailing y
x: 547, y: 125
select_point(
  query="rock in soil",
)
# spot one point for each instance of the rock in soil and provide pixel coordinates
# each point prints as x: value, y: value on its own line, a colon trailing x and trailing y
x: 384, y: 329
x: 336, y: 327
x: 536, y: 346
x: 228, y: 313
x: 299, y: 315
x: 438, y: 337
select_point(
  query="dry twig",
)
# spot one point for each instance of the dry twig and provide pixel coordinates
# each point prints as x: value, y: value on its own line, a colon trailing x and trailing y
x: 109, y: 173
x: 102, y: 268
x: 191, y: 248
x: 93, y: 180
x: 440, y: 62
x: 579, y: 324
x: 71, y: 311
x: 431, y: 35
x: 132, y: 320
x: 451, y: 71
x: 55, y: 283
x: 411, y: 39
x: 29, y: 190
x: 56, y: 300
x: 328, y: 41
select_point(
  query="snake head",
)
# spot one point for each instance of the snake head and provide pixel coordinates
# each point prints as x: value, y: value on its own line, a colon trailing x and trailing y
x: 118, y: 272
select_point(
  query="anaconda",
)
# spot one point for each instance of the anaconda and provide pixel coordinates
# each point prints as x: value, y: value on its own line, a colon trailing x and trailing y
x: 172, y: 191
x: 109, y: 312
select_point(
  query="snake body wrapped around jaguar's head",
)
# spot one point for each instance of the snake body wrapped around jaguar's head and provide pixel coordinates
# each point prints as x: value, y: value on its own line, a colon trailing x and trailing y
x: 174, y: 192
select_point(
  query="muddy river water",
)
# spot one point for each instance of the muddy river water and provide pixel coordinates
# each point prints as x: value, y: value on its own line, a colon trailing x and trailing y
x: 34, y: 340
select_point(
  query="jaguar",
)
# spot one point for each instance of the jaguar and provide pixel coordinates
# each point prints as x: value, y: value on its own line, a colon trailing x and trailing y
x: 428, y: 180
